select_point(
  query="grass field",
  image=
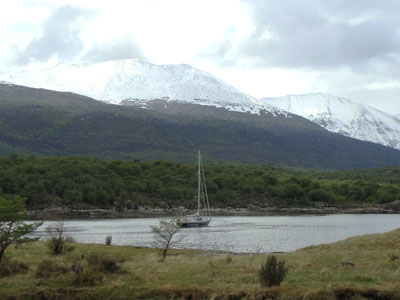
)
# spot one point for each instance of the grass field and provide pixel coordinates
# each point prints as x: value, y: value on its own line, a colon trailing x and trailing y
x: 314, y: 272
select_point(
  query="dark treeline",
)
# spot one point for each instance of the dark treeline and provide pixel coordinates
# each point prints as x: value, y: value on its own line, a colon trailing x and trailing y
x: 85, y: 182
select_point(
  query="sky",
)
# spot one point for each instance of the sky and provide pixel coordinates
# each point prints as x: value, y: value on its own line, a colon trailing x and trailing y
x: 269, y: 48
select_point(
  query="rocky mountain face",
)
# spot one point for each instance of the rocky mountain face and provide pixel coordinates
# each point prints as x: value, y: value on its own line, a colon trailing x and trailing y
x: 137, y: 82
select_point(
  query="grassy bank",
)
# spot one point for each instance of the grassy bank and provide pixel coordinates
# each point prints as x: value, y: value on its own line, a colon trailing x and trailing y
x: 314, y: 273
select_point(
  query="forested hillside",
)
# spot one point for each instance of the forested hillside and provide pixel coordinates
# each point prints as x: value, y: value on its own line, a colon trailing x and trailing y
x: 83, y: 182
x: 46, y: 123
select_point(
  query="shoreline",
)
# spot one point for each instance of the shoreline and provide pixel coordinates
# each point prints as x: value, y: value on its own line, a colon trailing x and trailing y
x: 66, y: 213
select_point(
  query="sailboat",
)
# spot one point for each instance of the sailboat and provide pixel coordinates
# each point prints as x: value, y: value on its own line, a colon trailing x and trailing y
x: 202, y: 217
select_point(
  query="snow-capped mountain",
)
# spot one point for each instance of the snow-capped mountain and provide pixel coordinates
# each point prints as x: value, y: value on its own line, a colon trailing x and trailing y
x: 136, y: 82
x: 5, y: 82
x: 343, y: 116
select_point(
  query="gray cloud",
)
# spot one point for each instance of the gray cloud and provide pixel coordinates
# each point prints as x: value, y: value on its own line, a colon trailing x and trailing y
x: 317, y: 34
x: 221, y: 52
x: 384, y: 99
x: 116, y: 49
x: 60, y: 36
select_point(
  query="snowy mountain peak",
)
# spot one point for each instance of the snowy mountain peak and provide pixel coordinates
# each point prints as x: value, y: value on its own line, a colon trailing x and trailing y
x: 343, y: 116
x: 136, y: 82
x: 5, y: 83
x: 117, y: 80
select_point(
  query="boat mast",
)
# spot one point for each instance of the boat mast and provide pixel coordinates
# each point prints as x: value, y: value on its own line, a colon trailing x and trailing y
x: 198, y: 187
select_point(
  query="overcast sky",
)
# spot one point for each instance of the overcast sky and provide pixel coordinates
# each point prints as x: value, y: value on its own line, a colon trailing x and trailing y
x: 269, y: 48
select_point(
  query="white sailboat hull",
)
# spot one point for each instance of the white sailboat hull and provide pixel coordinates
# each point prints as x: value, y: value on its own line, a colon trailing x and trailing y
x: 193, y: 222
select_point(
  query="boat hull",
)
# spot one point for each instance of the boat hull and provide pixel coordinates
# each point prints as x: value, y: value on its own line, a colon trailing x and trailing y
x: 193, y: 223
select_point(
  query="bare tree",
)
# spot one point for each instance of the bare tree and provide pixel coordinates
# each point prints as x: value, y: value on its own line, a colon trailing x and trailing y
x: 58, y: 242
x: 165, y: 235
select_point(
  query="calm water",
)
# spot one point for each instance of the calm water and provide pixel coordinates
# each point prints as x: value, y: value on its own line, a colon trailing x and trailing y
x: 237, y: 234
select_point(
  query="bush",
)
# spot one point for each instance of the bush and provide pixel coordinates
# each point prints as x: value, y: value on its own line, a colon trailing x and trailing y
x: 108, y: 240
x: 10, y: 268
x: 88, y: 276
x: 90, y: 273
x: 109, y: 264
x: 48, y: 268
x: 103, y: 263
x: 228, y: 259
x: 77, y: 266
x: 393, y: 257
x: 272, y: 273
x: 60, y: 245
x: 93, y: 260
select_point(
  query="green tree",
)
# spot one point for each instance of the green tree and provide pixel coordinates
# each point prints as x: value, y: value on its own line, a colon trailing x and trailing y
x: 320, y: 195
x: 293, y: 190
x: 12, y: 227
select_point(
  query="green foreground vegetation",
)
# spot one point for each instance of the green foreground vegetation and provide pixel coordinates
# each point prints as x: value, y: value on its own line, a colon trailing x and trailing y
x: 84, y: 182
x: 315, y: 272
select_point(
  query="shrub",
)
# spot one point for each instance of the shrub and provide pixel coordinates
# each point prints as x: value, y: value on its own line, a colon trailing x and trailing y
x: 228, y: 259
x: 90, y: 273
x: 88, y: 276
x: 108, y: 240
x: 48, y: 268
x: 9, y: 268
x: 93, y: 260
x: 60, y: 245
x: 77, y: 266
x: 103, y: 263
x: 272, y: 272
x: 393, y: 257
x: 109, y: 264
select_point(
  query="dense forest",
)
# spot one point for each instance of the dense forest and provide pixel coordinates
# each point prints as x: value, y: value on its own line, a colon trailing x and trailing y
x: 85, y: 182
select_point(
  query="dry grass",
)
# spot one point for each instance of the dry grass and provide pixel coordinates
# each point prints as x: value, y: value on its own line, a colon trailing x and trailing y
x: 314, y: 273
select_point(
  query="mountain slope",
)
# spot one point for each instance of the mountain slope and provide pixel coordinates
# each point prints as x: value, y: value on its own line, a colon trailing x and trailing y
x: 137, y: 82
x: 42, y: 122
x: 343, y: 116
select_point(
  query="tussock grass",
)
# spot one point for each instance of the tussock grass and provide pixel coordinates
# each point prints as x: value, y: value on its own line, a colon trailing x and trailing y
x: 314, y: 272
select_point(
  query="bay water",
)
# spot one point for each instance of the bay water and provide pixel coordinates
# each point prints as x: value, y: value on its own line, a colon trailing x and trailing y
x: 253, y: 234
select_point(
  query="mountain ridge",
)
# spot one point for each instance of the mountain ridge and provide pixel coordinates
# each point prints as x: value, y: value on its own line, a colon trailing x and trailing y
x: 43, y: 122
x: 347, y: 118
x: 142, y: 80
x: 136, y: 81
